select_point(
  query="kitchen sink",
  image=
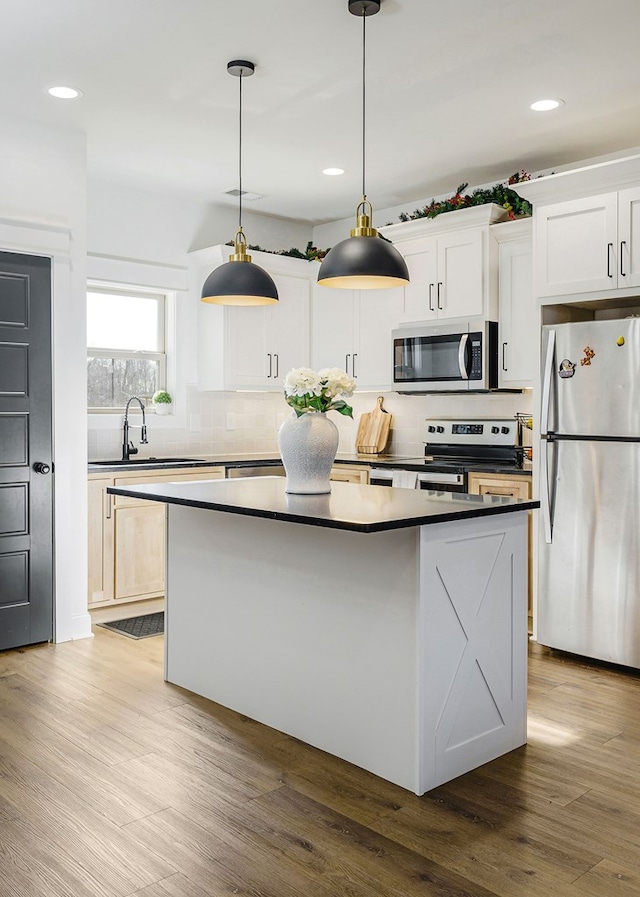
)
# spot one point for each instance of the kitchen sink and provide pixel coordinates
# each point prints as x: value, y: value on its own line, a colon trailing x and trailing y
x: 120, y: 463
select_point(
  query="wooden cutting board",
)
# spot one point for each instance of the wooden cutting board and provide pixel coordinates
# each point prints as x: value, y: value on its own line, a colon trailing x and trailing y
x: 373, y: 430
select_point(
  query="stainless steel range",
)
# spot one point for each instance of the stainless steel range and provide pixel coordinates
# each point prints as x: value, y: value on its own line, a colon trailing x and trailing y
x: 453, y: 447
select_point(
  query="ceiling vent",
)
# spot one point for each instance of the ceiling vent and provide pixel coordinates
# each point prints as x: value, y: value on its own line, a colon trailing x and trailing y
x: 247, y: 197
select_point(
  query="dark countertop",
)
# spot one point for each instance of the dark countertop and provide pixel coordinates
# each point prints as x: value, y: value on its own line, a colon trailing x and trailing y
x: 273, y: 458
x: 364, y: 509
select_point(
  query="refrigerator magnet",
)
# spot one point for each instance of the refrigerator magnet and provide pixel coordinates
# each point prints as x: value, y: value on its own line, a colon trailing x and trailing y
x: 567, y: 368
x: 588, y: 355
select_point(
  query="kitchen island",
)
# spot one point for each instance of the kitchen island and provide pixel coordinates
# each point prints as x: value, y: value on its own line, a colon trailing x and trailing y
x: 385, y: 626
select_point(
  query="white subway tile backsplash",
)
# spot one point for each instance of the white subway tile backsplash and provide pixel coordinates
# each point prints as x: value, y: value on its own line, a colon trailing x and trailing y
x: 248, y: 422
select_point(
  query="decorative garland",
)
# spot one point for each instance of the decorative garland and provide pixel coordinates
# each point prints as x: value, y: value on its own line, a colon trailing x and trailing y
x: 516, y: 206
x: 311, y: 253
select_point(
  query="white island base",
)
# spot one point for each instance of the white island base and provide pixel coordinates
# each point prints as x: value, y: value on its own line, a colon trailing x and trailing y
x: 403, y: 651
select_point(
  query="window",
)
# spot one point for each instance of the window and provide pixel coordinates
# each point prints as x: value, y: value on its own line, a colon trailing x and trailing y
x: 126, y: 353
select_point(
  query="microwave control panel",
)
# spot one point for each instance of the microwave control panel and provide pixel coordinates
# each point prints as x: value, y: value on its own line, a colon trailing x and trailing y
x: 475, y: 372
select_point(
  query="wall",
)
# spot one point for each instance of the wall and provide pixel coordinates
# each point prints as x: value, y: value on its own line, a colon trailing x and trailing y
x: 143, y: 238
x: 163, y: 228
x: 43, y: 211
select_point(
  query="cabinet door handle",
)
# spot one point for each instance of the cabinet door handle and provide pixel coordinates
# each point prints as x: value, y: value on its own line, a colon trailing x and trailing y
x: 623, y: 243
x: 109, y: 500
x: 438, y: 295
x: 353, y: 366
x: 277, y: 361
x: 609, y: 248
x: 346, y: 362
x: 504, y: 353
x: 431, y: 308
x: 270, y: 361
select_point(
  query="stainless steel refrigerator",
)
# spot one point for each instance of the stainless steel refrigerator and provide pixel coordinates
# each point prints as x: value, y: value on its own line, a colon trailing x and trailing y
x: 589, y: 544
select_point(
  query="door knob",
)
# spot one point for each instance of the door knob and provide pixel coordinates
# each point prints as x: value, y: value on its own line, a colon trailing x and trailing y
x: 41, y: 467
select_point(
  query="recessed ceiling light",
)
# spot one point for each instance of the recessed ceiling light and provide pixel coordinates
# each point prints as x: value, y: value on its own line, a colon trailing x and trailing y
x: 333, y: 172
x: 546, y: 105
x: 65, y: 93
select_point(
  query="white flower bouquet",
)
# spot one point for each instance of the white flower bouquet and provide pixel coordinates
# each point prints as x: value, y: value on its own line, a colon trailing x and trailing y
x: 306, y: 390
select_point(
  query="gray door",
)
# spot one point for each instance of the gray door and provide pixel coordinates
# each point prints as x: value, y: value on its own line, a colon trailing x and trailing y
x: 26, y: 480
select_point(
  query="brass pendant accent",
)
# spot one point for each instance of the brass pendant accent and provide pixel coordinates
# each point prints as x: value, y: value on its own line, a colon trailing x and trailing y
x: 363, y: 220
x: 240, y: 248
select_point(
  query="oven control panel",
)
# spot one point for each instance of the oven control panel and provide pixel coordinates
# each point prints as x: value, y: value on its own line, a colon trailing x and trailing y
x: 489, y: 432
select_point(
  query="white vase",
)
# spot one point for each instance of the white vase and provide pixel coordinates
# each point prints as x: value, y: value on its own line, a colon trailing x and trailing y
x: 308, y: 446
x: 163, y: 408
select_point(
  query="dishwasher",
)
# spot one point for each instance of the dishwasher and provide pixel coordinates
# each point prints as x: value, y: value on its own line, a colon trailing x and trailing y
x: 265, y: 470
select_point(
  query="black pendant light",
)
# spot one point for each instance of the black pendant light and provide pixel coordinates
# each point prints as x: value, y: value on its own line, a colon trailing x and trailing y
x: 239, y: 281
x: 366, y: 261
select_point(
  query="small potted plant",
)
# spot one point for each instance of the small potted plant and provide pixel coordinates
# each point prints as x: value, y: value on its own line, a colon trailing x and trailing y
x: 162, y: 401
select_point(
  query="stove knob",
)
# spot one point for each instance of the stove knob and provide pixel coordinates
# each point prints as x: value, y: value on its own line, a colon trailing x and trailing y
x: 505, y: 430
x: 495, y: 429
x: 440, y: 429
x: 431, y: 429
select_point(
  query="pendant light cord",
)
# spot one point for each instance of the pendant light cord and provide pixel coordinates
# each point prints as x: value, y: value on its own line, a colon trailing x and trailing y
x: 364, y: 99
x: 240, y: 157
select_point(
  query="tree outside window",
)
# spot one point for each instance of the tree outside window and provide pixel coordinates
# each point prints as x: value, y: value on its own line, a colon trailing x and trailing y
x: 126, y: 352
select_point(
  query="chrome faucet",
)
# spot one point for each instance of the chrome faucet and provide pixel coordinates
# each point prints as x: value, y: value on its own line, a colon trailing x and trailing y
x: 128, y: 447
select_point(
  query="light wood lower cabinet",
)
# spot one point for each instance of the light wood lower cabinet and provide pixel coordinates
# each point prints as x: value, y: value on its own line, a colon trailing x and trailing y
x: 126, y: 537
x: 515, y: 487
x: 349, y: 473
x: 499, y: 484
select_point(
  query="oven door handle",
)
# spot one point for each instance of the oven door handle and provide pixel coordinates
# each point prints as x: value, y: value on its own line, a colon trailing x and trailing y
x: 462, y: 356
x: 442, y: 479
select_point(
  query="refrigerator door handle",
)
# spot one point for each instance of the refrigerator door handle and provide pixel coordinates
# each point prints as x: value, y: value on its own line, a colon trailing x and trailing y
x: 547, y: 377
x: 546, y: 499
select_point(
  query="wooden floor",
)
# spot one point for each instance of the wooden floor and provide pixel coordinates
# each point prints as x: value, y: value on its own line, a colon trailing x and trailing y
x: 114, y: 783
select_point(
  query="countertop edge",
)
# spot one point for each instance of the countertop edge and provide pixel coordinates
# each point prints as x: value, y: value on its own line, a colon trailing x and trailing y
x: 353, y: 526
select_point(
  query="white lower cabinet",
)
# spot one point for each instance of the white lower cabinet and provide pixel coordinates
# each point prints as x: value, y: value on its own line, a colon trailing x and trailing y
x: 518, y: 316
x: 126, y: 537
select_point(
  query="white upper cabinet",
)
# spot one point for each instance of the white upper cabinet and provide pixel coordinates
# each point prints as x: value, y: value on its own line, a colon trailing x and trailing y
x: 253, y: 347
x: 518, y: 316
x: 589, y: 245
x: 576, y: 242
x: 351, y: 330
x: 452, y: 261
x: 446, y: 276
x: 587, y: 231
x: 264, y: 342
x: 629, y: 237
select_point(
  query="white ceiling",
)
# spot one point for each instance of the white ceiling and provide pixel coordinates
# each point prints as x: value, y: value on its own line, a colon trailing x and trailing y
x: 449, y: 86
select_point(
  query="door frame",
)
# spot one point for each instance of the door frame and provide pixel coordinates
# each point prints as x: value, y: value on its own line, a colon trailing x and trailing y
x: 71, y: 618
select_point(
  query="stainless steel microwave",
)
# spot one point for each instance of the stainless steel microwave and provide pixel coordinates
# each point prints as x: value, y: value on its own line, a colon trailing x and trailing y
x: 446, y: 357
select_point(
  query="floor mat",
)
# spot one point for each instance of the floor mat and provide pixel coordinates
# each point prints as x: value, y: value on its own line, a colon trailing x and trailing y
x: 138, y: 627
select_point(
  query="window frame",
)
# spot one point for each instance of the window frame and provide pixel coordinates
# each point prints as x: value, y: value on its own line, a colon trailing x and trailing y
x: 163, y: 298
